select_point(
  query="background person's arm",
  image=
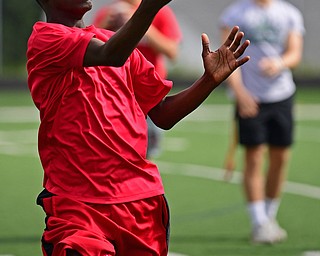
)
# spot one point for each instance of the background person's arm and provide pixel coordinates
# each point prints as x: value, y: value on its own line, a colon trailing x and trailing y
x: 289, y: 59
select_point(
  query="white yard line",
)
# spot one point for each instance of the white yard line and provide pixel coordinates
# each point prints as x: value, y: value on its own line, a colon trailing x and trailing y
x: 209, y: 112
x: 217, y: 174
x: 22, y: 114
x: 19, y: 142
x: 311, y: 253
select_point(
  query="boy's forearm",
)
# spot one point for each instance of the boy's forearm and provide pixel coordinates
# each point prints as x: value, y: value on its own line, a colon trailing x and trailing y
x: 175, y: 107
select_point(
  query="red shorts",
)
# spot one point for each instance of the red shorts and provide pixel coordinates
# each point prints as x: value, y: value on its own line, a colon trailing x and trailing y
x: 135, y: 228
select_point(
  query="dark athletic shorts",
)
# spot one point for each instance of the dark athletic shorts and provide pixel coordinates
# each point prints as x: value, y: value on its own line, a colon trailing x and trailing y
x: 273, y: 125
x: 127, y: 229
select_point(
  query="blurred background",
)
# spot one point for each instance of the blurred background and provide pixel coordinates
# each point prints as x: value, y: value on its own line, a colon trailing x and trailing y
x: 195, y: 17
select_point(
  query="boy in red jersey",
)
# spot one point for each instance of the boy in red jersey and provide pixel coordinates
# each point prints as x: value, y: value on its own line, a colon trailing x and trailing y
x: 94, y: 90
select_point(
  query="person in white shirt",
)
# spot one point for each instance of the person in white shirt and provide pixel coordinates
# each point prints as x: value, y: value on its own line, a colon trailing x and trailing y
x: 264, y: 94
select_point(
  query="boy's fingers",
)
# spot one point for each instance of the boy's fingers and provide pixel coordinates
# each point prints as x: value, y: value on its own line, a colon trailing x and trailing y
x: 205, y: 43
x: 241, y: 49
x: 231, y: 36
x: 235, y: 44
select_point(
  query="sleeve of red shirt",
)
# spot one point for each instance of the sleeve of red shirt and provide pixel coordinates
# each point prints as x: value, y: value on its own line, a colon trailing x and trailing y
x: 61, y: 47
x: 149, y: 87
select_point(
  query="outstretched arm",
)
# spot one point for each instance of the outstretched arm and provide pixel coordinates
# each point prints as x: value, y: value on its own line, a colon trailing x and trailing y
x: 119, y: 47
x: 218, y: 66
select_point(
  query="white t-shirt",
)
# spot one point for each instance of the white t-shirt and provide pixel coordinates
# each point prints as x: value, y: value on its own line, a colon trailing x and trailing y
x: 267, y: 28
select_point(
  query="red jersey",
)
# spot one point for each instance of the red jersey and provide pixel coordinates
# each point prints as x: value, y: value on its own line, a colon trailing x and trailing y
x: 166, y: 22
x: 100, y: 16
x: 92, y: 137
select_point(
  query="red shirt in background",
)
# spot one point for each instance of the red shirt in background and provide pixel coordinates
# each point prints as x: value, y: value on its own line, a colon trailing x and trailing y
x: 165, y: 21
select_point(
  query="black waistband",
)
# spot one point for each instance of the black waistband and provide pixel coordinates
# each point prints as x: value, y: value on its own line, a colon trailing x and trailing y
x: 44, y: 194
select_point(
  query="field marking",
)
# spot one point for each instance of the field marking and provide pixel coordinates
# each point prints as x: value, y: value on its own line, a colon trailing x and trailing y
x: 311, y: 253
x: 23, y: 114
x: 224, y: 113
x: 217, y: 174
x: 175, y: 254
x: 175, y: 144
x: 19, y: 142
x: 208, y: 112
x: 204, y: 113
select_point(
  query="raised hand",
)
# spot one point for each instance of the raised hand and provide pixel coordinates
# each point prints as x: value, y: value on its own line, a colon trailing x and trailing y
x: 222, y: 62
